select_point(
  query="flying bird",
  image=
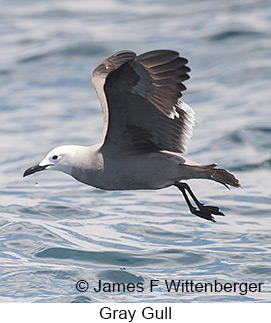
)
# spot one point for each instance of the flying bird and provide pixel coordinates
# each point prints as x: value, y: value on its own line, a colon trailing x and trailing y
x: 146, y: 127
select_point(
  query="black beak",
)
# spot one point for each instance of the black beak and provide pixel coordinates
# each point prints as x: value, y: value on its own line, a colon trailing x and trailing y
x: 34, y: 169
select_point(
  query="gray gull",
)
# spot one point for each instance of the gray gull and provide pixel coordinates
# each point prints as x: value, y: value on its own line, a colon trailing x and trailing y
x: 146, y: 125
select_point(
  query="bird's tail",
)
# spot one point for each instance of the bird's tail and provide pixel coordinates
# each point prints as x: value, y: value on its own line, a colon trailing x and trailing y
x: 221, y: 175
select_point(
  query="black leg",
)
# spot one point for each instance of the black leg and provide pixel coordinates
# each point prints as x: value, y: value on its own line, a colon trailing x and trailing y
x: 203, y: 211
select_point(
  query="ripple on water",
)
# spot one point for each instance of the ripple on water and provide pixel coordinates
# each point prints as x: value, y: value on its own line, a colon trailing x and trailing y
x: 87, y: 50
x: 256, y: 271
x: 80, y: 299
x: 234, y: 33
x: 48, y: 211
x: 120, y: 275
x: 177, y: 257
x: 103, y: 257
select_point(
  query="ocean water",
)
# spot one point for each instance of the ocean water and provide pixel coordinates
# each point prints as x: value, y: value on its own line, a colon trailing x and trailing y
x: 59, y: 231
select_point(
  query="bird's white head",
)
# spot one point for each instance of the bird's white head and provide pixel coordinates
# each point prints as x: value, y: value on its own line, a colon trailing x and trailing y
x: 60, y: 158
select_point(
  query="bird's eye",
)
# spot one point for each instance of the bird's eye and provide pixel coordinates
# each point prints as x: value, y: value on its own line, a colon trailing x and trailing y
x: 55, y: 157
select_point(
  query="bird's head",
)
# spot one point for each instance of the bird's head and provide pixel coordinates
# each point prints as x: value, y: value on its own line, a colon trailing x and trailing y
x: 60, y: 158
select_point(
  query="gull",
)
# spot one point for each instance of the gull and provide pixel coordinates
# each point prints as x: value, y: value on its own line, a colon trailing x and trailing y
x: 146, y: 128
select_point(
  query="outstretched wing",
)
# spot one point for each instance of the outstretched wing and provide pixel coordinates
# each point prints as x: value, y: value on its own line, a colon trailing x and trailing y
x: 140, y: 100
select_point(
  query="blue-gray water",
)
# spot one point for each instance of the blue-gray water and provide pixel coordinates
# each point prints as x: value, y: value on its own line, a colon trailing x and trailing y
x: 60, y: 231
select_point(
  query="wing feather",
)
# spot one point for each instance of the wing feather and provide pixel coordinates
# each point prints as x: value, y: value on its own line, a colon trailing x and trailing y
x: 140, y: 100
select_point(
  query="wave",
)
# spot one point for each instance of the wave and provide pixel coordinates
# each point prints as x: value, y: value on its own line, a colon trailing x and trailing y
x: 80, y: 50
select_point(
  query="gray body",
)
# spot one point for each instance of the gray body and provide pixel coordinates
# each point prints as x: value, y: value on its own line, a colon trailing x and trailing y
x: 113, y: 170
